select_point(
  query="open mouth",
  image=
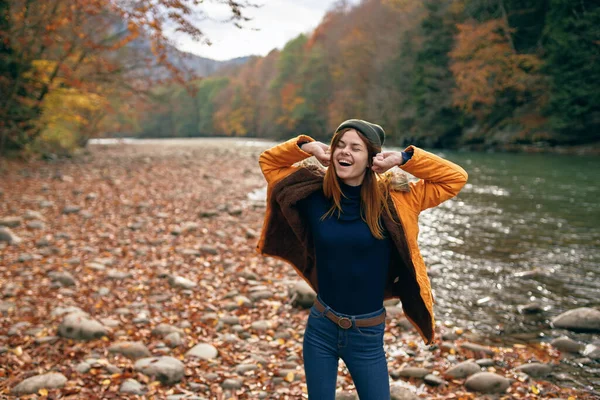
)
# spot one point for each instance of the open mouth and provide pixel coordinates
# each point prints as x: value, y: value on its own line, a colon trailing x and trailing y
x: 344, y: 163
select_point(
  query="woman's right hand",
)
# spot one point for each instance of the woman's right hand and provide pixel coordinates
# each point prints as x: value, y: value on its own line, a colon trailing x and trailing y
x: 319, y: 150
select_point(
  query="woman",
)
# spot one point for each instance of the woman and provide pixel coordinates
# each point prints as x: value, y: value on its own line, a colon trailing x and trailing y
x: 351, y: 233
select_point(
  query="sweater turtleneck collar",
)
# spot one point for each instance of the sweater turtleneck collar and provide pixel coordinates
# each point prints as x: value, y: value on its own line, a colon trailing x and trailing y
x: 350, y: 202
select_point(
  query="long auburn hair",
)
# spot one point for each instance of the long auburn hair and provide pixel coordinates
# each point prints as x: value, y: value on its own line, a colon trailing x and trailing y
x: 373, y: 193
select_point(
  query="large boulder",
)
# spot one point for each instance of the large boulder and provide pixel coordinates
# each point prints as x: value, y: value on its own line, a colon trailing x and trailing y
x: 582, y: 319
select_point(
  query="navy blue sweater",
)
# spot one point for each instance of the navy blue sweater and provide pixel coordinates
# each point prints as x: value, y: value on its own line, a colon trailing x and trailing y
x: 351, y: 263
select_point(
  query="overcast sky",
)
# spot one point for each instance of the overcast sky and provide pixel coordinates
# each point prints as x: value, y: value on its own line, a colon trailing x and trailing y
x: 278, y: 21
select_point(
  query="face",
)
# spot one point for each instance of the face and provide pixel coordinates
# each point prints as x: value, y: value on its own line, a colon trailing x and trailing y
x: 350, y: 158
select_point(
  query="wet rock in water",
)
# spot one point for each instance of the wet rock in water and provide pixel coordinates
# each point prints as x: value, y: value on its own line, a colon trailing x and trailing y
x: 476, y: 348
x: 6, y: 235
x: 232, y: 383
x: 165, y: 329
x: 433, y: 380
x: 583, y: 319
x: 533, y: 274
x: 32, y: 385
x: 463, y: 370
x: 346, y: 396
x: 167, y: 370
x: 132, y: 386
x: 411, y: 372
x: 11, y: 222
x: 181, y: 282
x: 79, y: 326
x: 487, y: 382
x: 131, y: 350
x: 71, y: 209
x: 398, y: 392
x: 531, y: 308
x: 592, y: 351
x: 65, y: 278
x: 303, y: 295
x: 535, y: 370
x: 567, y: 345
x: 203, y: 351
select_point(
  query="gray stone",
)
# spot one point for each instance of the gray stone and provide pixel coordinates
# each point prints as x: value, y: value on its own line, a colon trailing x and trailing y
x: 433, y: 380
x: 230, y: 320
x: 531, y: 308
x: 346, y: 396
x: 402, y: 393
x: 7, y: 306
x: 132, y: 386
x: 485, y: 362
x: 162, y: 330
x: 592, y: 351
x: 242, y: 301
x: 487, y: 382
x: 203, y: 351
x: 31, y: 214
x: 181, y: 282
x: 46, y: 339
x: 11, y: 222
x: 476, y: 348
x: 118, y: 275
x: 36, y: 224
x: 260, y: 294
x: 232, y: 383
x: 6, y: 235
x: 131, y: 350
x: 173, y: 339
x: 567, y: 345
x: 535, y: 370
x: 261, y: 325
x: 412, y: 372
x: 580, y: 319
x: 243, y: 368
x: 463, y: 370
x: 58, y: 311
x: 303, y: 295
x: 32, y: 385
x: 96, y: 266
x: 24, y: 257
x: 71, y: 209
x: 80, y: 327
x: 83, y: 367
x: 65, y: 278
x: 167, y: 370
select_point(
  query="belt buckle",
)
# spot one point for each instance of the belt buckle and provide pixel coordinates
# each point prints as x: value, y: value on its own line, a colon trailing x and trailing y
x: 344, y: 323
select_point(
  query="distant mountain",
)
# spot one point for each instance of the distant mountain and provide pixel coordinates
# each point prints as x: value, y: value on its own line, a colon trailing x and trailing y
x: 201, y: 65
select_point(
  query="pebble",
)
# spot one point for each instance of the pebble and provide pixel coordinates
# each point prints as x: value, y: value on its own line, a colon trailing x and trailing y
x: 132, y: 386
x: 162, y: 330
x: 567, y: 345
x: 203, y: 351
x: 80, y: 327
x: 433, y: 380
x: 232, y: 383
x: 64, y: 277
x: 261, y: 325
x: 131, y: 350
x: 181, y: 282
x: 165, y: 369
x: 487, y: 382
x: 173, y: 339
x: 579, y: 319
x: 83, y: 367
x: 411, y: 372
x: 463, y: 370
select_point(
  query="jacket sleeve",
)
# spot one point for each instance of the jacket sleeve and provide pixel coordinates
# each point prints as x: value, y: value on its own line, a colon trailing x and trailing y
x: 276, y: 162
x: 440, y: 179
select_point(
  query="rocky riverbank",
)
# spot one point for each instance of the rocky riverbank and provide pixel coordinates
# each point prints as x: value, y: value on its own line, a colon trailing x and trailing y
x: 131, y: 271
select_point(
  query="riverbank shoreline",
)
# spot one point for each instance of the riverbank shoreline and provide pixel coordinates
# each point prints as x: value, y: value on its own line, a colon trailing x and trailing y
x: 139, y: 237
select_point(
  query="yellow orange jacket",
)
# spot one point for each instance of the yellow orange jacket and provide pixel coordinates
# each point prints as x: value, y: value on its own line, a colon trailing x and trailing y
x: 285, y: 235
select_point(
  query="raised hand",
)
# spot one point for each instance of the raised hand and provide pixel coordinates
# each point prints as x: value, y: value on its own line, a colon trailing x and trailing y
x: 319, y: 150
x: 386, y: 160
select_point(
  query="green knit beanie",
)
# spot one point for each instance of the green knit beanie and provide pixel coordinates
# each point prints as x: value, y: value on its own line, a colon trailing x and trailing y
x: 373, y: 132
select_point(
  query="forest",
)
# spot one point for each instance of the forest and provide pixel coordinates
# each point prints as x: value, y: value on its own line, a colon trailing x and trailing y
x: 475, y: 74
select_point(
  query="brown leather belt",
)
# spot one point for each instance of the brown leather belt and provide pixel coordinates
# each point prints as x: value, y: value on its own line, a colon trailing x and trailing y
x: 346, y: 323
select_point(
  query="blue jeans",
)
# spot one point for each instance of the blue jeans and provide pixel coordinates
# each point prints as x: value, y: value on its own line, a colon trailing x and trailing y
x: 360, y: 348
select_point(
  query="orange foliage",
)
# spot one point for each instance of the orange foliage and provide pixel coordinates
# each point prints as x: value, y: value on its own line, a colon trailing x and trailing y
x: 484, y: 65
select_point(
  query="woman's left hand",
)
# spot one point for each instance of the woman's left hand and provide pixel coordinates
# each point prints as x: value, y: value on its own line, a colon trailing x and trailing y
x: 386, y: 160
